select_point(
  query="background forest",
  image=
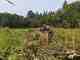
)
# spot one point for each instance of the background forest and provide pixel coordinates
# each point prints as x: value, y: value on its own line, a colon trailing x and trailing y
x: 67, y: 17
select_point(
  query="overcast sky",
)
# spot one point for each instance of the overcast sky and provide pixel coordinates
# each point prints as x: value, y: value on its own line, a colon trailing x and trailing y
x: 22, y: 6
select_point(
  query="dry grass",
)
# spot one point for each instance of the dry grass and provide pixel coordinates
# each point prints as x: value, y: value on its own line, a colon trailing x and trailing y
x: 66, y: 38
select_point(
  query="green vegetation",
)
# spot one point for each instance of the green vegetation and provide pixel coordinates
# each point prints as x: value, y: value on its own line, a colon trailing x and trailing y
x: 14, y: 30
x: 67, y: 37
x: 66, y: 17
x: 11, y: 39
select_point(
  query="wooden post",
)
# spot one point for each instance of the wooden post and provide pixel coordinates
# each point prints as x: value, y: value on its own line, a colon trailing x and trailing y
x: 73, y: 40
x: 44, y: 39
x: 28, y: 40
x: 44, y: 36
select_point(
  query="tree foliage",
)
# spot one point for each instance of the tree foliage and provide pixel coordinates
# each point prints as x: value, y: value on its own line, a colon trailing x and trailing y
x: 67, y: 17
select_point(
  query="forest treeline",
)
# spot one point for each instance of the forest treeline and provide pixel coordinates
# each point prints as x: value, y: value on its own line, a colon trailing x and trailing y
x: 66, y: 17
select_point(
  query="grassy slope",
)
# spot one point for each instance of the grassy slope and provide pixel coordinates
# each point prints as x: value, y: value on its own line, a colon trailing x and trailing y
x: 68, y: 37
x: 11, y: 36
x: 15, y: 37
x: 64, y: 37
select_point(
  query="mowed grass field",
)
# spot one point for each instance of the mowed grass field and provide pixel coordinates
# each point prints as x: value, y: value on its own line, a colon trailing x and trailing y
x: 62, y: 37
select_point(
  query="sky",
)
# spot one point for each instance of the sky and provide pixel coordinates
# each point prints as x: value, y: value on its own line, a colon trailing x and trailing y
x: 21, y: 7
